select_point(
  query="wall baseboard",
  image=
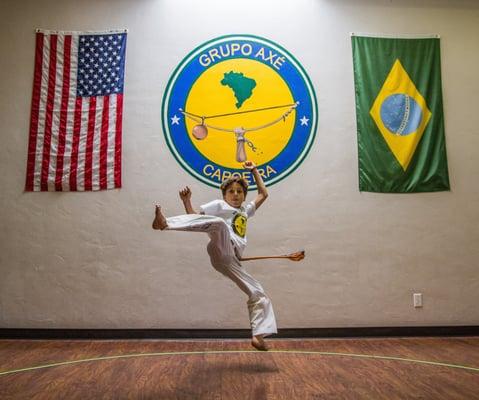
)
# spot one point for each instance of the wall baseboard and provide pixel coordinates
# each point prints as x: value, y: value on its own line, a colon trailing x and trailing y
x: 286, y: 333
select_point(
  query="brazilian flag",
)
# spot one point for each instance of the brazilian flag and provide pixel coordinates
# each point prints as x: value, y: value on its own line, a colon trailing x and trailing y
x: 400, y: 123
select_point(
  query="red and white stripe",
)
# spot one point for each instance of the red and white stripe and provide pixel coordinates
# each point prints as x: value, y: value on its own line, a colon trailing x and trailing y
x: 74, y: 143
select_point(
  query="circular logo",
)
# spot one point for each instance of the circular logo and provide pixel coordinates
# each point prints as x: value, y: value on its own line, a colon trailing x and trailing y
x: 239, y: 225
x: 237, y: 98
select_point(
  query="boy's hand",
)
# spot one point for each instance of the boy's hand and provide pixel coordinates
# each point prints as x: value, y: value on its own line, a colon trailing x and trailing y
x: 185, y: 194
x: 249, y: 165
x: 262, y: 192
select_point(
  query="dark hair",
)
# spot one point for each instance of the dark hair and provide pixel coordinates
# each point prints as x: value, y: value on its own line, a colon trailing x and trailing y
x: 235, y: 179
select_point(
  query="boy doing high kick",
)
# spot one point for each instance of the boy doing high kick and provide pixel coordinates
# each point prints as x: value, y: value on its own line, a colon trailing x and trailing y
x: 225, y: 223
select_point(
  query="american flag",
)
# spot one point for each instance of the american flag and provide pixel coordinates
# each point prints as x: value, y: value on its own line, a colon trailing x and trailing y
x: 76, y: 114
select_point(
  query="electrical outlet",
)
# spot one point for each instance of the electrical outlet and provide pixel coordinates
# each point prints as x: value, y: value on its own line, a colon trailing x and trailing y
x: 417, y: 299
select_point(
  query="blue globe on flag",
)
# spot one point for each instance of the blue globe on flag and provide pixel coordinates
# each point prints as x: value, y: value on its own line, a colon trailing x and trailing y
x: 401, y: 114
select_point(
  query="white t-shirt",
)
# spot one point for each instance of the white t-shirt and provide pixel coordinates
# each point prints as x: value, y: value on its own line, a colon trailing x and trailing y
x: 235, y: 218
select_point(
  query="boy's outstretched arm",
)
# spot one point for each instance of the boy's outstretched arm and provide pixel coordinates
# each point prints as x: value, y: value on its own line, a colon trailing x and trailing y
x: 185, y: 196
x: 262, y: 192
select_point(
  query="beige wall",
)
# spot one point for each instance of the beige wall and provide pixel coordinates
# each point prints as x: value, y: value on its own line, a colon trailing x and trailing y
x: 91, y: 260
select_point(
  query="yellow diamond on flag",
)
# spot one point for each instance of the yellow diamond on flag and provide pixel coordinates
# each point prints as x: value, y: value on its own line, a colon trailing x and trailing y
x: 401, y: 114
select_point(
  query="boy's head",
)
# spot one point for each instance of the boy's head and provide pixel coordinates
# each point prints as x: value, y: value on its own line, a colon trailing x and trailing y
x: 234, y: 191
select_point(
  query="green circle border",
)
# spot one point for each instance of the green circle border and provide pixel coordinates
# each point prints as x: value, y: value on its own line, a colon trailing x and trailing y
x: 303, y: 75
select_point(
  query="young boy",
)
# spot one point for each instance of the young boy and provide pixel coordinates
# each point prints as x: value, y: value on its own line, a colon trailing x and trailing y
x: 225, y: 222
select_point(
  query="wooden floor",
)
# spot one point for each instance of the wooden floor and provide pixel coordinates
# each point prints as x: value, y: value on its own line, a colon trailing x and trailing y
x: 219, y: 369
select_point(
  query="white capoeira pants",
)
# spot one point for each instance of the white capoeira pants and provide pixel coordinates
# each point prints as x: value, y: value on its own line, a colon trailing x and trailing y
x: 224, y: 260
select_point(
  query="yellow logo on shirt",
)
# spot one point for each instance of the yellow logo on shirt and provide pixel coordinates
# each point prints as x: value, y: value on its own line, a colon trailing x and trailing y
x: 239, y: 225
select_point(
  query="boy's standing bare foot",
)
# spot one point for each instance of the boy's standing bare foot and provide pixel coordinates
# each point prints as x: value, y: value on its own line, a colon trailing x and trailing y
x: 258, y: 343
x: 160, y: 221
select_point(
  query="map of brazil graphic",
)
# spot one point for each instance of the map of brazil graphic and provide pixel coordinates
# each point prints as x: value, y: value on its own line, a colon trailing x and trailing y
x: 241, y: 85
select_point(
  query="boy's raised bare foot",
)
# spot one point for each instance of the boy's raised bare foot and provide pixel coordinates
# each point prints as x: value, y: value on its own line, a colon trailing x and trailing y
x: 160, y: 221
x: 258, y: 343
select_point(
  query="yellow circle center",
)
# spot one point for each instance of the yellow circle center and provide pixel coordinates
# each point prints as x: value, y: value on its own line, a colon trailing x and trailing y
x: 208, y: 96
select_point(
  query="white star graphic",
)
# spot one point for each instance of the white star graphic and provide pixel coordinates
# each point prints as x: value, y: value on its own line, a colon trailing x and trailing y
x: 175, y: 120
x: 304, y: 120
